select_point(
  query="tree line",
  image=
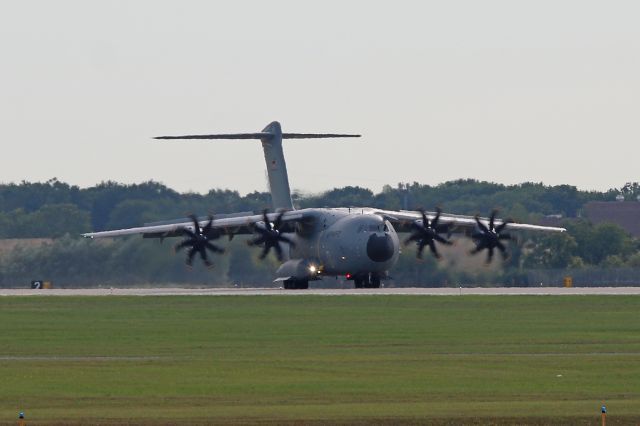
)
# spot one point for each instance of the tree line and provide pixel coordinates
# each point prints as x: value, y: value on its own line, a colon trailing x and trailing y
x: 68, y: 209
x: 61, y: 212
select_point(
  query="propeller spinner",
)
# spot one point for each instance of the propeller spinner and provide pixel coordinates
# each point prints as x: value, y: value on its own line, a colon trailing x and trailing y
x: 199, y: 241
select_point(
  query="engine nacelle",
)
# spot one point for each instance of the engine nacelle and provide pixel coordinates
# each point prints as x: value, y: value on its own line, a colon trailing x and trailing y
x: 298, y: 269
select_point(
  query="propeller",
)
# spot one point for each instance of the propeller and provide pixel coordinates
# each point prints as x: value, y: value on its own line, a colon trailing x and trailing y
x: 490, y: 237
x: 199, y: 241
x: 270, y: 236
x: 426, y: 234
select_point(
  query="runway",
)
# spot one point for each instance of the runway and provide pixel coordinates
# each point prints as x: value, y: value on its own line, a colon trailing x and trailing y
x: 408, y: 291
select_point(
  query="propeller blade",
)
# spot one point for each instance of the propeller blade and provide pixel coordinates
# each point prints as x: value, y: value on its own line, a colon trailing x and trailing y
x: 265, y: 251
x: 204, y: 257
x: 265, y: 218
x: 190, y: 254
x: 417, y: 227
x: 425, y: 221
x: 278, y: 221
x: 262, y: 228
x: 492, y: 219
x: 180, y: 246
x: 187, y: 232
x: 481, y: 225
x: 479, y: 247
x: 490, y: 255
x: 477, y: 235
x: 439, y: 239
x: 196, y: 225
x: 207, y: 228
x: 412, y: 238
x: 214, y: 248
x: 421, y: 245
x: 256, y: 241
x: 432, y: 247
x: 434, y: 222
x: 503, y: 225
x: 278, y: 251
x: 503, y: 251
x: 287, y: 240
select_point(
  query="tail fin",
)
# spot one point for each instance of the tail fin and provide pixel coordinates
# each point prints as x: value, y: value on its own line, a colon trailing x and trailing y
x: 271, y: 138
x: 276, y: 167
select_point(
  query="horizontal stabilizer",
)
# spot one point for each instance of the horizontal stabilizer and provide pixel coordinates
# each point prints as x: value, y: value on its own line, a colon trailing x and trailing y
x: 262, y: 135
x: 316, y: 135
x: 259, y: 135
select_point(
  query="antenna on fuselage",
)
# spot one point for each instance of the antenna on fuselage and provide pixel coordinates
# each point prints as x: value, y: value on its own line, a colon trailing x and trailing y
x: 271, y: 138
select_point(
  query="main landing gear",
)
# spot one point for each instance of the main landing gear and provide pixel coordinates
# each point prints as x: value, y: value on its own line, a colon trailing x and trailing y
x: 296, y: 284
x: 367, y: 281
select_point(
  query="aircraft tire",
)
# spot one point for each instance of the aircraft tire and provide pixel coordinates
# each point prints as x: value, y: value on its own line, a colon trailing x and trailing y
x: 296, y: 285
x: 375, y: 281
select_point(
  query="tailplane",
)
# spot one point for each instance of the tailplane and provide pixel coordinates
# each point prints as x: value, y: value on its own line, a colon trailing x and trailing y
x: 271, y: 138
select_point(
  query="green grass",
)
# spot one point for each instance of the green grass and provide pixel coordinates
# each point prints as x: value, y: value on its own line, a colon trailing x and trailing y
x: 315, y: 359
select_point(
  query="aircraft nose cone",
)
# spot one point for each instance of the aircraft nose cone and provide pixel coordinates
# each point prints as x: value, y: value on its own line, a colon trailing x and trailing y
x: 380, y: 248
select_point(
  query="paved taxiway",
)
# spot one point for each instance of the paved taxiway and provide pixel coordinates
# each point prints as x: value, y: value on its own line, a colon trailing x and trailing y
x: 324, y: 292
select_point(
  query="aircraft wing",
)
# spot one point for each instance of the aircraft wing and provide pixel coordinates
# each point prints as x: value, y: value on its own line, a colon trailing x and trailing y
x: 403, y: 219
x: 227, y: 224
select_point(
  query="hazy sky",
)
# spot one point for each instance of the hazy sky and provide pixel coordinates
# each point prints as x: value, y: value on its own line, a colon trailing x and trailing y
x: 506, y: 91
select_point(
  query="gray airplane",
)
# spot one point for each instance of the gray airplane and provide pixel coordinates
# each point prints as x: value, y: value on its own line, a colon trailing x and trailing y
x: 360, y: 244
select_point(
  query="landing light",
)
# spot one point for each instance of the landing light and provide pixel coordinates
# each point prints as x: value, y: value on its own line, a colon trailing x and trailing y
x: 312, y: 269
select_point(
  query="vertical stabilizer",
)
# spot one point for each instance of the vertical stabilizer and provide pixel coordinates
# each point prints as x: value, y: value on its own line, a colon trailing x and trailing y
x: 276, y: 167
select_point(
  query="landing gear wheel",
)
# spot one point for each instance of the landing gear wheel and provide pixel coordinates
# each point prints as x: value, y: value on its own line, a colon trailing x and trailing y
x: 375, y: 281
x: 296, y: 285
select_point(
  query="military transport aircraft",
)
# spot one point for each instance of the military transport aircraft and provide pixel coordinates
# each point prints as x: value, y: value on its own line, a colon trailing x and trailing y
x: 360, y: 244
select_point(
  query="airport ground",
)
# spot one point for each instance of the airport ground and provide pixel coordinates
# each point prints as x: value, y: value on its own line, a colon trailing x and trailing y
x: 380, y: 359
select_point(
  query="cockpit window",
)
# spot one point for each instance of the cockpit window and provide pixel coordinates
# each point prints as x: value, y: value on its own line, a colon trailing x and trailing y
x: 386, y: 228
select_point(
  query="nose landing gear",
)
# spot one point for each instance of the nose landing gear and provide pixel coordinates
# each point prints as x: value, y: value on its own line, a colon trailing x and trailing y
x: 371, y: 280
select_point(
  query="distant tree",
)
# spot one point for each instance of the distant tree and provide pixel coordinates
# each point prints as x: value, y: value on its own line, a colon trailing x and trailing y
x: 130, y: 213
x: 104, y: 197
x: 551, y: 251
x: 630, y: 190
x: 255, y: 201
x: 596, y: 242
x: 32, y: 196
x: 349, y: 196
x: 50, y: 221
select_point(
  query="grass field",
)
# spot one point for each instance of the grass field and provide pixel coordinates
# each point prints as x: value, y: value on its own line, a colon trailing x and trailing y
x: 313, y: 359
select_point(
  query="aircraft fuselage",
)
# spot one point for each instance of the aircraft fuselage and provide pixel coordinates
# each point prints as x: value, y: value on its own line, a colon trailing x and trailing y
x: 346, y: 241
